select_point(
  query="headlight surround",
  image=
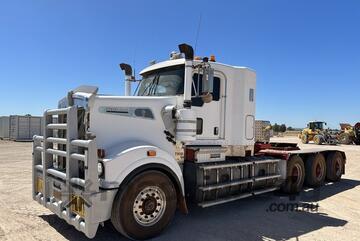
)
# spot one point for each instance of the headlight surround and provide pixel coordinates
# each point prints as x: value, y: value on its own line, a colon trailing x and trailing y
x: 100, y: 168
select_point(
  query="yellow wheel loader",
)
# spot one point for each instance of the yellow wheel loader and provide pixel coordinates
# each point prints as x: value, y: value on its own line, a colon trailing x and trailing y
x: 317, y: 132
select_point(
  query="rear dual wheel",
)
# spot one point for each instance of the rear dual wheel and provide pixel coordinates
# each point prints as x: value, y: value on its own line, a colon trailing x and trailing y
x: 315, y: 168
x: 145, y: 207
x: 314, y: 172
x: 295, y: 175
x: 334, y: 166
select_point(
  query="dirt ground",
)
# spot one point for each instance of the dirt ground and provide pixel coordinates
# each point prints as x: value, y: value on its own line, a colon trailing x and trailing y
x: 336, y: 218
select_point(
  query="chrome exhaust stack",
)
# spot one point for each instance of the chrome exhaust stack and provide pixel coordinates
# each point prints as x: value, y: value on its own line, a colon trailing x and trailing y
x: 129, y: 77
x: 188, y: 52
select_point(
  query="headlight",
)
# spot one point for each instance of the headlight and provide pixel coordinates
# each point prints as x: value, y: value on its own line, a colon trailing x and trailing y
x: 100, y: 169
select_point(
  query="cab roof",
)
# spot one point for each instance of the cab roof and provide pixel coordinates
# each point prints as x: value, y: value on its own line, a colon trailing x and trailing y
x: 168, y: 63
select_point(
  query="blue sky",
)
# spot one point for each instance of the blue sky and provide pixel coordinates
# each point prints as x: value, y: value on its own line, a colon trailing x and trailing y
x: 306, y: 53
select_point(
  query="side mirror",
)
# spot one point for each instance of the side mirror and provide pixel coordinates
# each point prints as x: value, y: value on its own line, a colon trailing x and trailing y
x: 207, y: 82
x: 208, y: 79
x: 197, y: 101
x: 200, y: 100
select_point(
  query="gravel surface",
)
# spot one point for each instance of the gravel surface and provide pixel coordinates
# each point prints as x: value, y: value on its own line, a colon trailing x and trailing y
x: 337, y: 216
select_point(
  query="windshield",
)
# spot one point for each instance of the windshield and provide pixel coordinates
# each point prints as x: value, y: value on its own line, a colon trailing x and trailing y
x: 167, y: 81
x: 317, y: 125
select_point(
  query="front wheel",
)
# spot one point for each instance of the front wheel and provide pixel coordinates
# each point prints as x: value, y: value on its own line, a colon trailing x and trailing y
x: 304, y: 139
x: 145, y: 207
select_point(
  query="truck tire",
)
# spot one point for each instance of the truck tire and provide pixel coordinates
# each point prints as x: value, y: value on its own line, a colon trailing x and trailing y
x: 295, y: 172
x: 315, y: 170
x: 334, y: 166
x: 357, y: 141
x: 304, y: 139
x: 344, y: 138
x: 318, y: 139
x: 145, y: 207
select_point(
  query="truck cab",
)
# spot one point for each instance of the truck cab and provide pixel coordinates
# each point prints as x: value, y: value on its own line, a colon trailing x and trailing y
x: 317, y: 125
x: 211, y: 118
x: 186, y: 135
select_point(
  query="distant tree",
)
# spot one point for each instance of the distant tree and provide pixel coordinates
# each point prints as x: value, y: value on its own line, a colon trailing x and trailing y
x: 276, y: 127
x: 279, y: 128
x: 290, y: 128
x: 282, y: 128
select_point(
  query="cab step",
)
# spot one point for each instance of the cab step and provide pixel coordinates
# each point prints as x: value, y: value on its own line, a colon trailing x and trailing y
x: 236, y: 197
x: 209, y: 184
x: 239, y: 182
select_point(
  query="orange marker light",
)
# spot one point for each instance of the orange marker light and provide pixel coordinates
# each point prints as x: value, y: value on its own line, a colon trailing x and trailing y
x: 151, y: 153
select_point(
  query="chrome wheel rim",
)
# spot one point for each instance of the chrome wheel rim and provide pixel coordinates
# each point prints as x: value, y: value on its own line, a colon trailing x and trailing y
x: 149, y: 206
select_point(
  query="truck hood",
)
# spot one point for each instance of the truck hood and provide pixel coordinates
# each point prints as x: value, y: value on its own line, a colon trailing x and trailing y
x: 119, y: 119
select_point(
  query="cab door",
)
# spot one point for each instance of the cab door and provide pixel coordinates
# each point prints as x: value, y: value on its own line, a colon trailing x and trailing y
x: 209, y: 115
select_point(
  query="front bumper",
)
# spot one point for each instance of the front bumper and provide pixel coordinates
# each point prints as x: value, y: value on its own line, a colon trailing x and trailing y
x: 97, y: 212
x: 76, y: 198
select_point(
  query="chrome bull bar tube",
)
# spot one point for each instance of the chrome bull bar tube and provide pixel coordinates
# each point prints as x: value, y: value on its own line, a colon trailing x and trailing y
x: 73, y: 197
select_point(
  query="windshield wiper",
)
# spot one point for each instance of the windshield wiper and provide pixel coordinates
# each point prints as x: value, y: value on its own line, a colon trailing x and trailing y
x: 150, y: 85
x: 154, y: 86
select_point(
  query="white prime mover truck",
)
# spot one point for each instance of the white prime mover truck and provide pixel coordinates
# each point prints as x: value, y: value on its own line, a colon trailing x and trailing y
x: 185, y: 136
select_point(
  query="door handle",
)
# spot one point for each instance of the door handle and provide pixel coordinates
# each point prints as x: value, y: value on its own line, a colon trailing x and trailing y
x: 216, y: 131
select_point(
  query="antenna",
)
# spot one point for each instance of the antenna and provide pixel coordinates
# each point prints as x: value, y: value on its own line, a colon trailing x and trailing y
x: 134, y: 60
x: 198, y: 31
x: 134, y: 73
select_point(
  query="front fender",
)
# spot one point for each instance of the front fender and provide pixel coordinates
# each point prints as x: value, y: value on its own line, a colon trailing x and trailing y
x: 127, y: 160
